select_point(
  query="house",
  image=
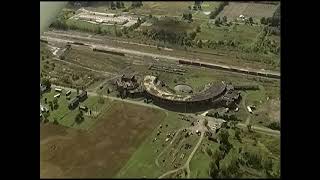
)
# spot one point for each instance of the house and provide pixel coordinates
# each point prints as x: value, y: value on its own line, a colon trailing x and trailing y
x: 73, y: 103
x: 43, y: 88
x: 57, y: 95
x: 83, y: 96
x: 68, y: 93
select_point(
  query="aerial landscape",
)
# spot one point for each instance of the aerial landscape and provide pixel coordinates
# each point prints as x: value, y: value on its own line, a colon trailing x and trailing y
x: 160, y: 89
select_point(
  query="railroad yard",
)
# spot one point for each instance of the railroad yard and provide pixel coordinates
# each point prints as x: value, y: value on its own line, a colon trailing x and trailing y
x: 119, y: 99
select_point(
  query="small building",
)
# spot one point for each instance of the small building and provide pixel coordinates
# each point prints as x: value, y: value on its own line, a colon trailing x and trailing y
x: 43, y: 88
x: 84, y: 108
x: 82, y: 96
x: 43, y: 108
x: 58, y: 90
x: 57, y: 95
x: 68, y: 93
x: 73, y: 103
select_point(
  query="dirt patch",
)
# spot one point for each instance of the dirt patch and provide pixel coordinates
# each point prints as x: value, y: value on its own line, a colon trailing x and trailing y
x: 100, y: 152
x: 235, y: 9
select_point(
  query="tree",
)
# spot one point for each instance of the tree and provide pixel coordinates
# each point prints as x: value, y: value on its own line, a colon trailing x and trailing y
x: 212, y: 15
x: 224, y: 19
x: 79, y: 117
x: 192, y: 35
x: 199, y: 43
x: 249, y: 126
x: 190, y: 17
x: 250, y: 20
x: 198, y: 29
x: 213, y: 170
x: 263, y: 20
x: 112, y: 5
x: 55, y: 121
x: 46, y: 82
x: 187, y: 16
x: 205, y: 122
x: 51, y: 105
x: 139, y: 21
x: 237, y: 135
x: 55, y: 103
x: 267, y: 166
x: 217, y: 22
x: 118, y: 4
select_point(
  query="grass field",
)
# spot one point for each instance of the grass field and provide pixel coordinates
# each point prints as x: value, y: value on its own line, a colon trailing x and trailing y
x: 255, y: 10
x: 97, y: 60
x: 142, y: 162
x: 66, y: 117
x: 199, y: 165
x: 102, y: 151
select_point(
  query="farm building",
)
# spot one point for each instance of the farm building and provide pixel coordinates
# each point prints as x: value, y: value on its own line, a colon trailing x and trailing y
x: 73, y: 103
x: 43, y: 88
x: 82, y: 96
x: 128, y: 85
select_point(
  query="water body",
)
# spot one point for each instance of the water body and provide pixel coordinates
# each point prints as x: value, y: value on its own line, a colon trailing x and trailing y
x: 48, y: 11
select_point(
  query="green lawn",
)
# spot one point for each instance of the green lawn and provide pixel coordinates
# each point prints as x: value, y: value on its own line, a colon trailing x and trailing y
x: 142, y: 162
x: 66, y: 117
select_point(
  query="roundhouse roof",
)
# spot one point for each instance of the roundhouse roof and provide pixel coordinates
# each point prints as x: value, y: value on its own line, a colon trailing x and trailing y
x: 210, y: 91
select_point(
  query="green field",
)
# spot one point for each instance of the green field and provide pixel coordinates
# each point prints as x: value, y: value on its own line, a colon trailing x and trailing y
x: 142, y: 162
x: 66, y: 117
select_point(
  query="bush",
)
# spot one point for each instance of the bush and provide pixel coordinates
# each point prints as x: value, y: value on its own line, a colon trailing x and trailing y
x: 274, y: 126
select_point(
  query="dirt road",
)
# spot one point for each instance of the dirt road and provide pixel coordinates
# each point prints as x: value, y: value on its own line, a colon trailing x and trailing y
x: 186, y: 165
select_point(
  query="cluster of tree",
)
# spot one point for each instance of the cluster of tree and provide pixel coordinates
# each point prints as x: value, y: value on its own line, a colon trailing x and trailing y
x: 223, y: 115
x: 79, y: 117
x: 224, y: 43
x: 274, y: 125
x: 187, y: 16
x: 174, y: 37
x: 197, y: 5
x: 271, y: 21
x: 218, y: 9
x: 117, y: 4
x: 219, y: 21
x: 226, y: 163
x: 46, y: 82
x: 136, y: 4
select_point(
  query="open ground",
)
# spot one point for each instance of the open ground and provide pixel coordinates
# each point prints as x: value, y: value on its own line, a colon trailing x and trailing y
x: 101, y: 151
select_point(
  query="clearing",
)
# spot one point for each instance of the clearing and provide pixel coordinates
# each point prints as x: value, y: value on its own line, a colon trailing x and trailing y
x: 102, y: 151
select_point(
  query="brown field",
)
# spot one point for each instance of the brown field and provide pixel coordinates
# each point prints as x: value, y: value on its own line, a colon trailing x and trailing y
x: 102, y: 151
x: 255, y: 10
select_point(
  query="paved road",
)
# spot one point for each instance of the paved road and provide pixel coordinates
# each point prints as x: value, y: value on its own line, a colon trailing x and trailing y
x: 141, y: 103
x: 64, y: 39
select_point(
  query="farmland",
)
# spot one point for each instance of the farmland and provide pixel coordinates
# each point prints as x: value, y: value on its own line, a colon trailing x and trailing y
x: 255, y: 10
x: 102, y: 151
